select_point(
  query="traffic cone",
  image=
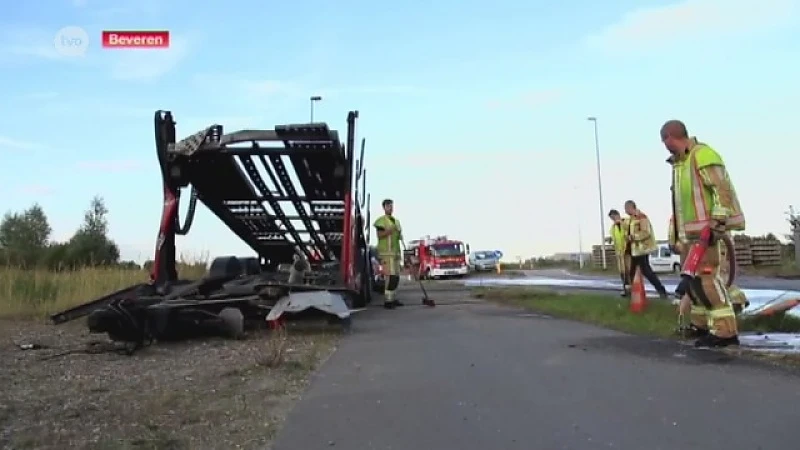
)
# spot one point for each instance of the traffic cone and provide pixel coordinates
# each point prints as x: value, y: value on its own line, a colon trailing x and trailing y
x: 638, y: 296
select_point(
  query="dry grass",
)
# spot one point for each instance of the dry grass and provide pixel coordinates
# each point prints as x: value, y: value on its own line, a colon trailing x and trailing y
x: 275, y: 349
x: 37, y: 293
x: 197, y: 394
x: 205, y: 393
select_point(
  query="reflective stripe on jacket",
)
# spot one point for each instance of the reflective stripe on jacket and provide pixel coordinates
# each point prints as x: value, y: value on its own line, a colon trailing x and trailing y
x: 702, y: 191
x: 389, y: 245
x: 671, y: 238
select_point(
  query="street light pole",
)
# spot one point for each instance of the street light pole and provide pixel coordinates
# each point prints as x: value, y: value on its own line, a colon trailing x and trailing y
x: 580, y: 246
x: 600, y: 193
x: 314, y: 99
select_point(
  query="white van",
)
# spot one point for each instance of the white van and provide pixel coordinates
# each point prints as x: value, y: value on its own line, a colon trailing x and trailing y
x: 663, y: 260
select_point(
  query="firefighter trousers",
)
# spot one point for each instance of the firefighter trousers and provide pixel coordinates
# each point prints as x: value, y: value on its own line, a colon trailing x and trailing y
x: 737, y: 297
x: 712, y: 308
x: 624, y: 267
x: 391, y: 267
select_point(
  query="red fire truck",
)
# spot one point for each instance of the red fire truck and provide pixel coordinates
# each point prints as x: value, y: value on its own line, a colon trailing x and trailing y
x: 437, y: 257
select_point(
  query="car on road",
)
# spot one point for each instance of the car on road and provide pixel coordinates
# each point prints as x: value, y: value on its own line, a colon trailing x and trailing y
x: 484, y: 260
x: 663, y: 260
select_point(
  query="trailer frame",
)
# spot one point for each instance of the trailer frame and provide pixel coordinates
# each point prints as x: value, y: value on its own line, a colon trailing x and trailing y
x: 321, y: 247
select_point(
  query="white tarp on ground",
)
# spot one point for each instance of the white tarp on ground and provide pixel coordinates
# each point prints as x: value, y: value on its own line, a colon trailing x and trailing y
x: 772, y: 342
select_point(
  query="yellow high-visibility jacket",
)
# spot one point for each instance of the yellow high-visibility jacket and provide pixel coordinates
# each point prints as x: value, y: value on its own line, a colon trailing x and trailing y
x: 389, y: 245
x: 702, y: 191
x: 643, y: 241
x: 619, y: 236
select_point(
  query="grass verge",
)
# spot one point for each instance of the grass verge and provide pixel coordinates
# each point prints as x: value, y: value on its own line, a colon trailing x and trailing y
x: 38, y: 293
x: 660, y: 318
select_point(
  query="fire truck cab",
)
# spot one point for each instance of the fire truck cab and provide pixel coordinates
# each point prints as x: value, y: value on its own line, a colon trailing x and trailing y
x: 438, y: 257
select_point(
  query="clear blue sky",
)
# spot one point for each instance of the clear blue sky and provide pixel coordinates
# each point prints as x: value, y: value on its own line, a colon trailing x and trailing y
x: 474, y: 111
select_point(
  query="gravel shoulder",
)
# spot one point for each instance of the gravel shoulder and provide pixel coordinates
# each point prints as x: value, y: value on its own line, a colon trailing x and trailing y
x: 208, y: 393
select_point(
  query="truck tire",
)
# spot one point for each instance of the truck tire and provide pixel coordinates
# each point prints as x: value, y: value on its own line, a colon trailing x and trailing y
x: 251, y: 265
x: 224, y: 267
x: 364, y: 296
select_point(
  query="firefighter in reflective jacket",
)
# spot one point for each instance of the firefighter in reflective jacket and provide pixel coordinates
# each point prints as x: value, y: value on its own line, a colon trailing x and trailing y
x: 619, y: 237
x: 390, y: 235
x: 703, y: 197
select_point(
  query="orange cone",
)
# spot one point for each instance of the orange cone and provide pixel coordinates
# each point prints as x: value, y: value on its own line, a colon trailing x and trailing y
x: 638, y: 295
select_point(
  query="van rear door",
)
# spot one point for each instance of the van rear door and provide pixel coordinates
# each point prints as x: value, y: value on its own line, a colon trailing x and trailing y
x: 661, y: 259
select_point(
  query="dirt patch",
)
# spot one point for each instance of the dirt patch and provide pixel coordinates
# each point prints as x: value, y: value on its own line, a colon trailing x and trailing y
x: 198, y: 394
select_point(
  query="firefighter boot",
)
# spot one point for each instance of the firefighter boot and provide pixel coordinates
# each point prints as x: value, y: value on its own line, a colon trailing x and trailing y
x: 389, y: 302
x: 713, y: 341
x: 391, y: 286
x: 625, y: 288
x: 691, y: 331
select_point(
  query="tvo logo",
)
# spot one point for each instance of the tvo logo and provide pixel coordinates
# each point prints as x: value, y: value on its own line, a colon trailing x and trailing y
x: 71, y: 41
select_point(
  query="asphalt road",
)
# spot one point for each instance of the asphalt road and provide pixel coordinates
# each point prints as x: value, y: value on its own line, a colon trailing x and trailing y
x: 743, y: 281
x: 473, y: 376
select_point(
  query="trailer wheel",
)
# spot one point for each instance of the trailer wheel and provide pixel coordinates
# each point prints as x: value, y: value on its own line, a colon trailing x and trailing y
x: 233, y: 322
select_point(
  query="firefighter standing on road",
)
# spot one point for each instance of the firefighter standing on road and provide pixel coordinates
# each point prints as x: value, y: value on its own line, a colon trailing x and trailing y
x: 619, y: 237
x: 642, y: 242
x: 390, y: 235
x: 702, y: 197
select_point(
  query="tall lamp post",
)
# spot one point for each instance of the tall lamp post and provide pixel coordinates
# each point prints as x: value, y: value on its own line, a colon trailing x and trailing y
x: 580, y: 246
x: 600, y: 193
x: 314, y: 99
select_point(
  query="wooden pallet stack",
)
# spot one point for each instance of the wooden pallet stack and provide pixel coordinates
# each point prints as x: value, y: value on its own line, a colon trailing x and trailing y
x: 744, y: 256
x: 750, y: 251
x: 597, y: 256
x: 766, y: 251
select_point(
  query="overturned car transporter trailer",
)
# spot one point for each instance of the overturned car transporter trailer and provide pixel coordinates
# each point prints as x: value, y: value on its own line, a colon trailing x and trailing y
x: 308, y: 234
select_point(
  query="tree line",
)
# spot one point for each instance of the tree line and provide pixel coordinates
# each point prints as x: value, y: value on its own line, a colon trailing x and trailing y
x: 26, y: 241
